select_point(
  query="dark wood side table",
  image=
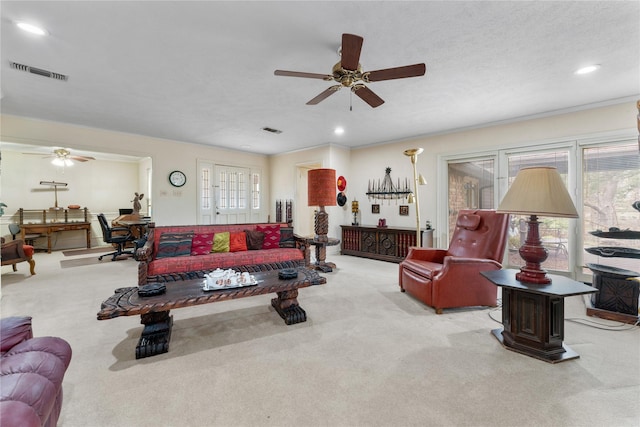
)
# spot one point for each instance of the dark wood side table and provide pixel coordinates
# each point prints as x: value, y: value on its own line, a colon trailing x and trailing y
x: 321, y: 253
x: 533, y: 315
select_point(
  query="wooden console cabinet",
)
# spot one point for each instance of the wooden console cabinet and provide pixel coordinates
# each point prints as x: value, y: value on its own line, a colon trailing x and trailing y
x: 386, y: 244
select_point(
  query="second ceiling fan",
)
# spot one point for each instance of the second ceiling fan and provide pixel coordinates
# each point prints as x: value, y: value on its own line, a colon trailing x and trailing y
x: 348, y: 73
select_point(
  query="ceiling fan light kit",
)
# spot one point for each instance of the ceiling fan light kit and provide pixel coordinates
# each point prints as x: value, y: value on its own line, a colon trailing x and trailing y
x: 62, y: 157
x: 58, y: 161
x: 348, y: 73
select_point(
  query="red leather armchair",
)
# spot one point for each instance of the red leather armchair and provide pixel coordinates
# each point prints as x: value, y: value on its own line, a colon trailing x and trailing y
x: 31, y: 373
x: 451, y: 278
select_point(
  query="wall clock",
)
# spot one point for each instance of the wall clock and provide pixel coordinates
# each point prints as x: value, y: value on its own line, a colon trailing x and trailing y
x: 177, y: 178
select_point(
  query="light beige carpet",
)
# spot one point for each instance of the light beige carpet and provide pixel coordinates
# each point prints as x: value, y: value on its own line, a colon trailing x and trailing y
x: 82, y: 261
x: 367, y: 356
x: 98, y: 250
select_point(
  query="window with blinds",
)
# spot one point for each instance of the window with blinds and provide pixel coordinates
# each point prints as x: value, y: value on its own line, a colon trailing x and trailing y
x: 610, y: 187
x: 554, y: 232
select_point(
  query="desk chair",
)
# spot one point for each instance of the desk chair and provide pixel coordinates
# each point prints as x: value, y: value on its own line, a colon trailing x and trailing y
x: 118, y: 239
x: 29, y: 239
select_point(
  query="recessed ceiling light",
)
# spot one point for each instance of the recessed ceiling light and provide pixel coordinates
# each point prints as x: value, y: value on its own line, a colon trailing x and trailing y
x: 339, y: 130
x: 31, y: 28
x: 588, y: 69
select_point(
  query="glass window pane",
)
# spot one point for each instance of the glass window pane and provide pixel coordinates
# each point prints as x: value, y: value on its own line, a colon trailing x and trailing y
x: 255, y: 191
x: 611, y: 185
x: 242, y: 191
x: 206, y: 190
x: 471, y: 186
x: 223, y: 201
x: 554, y: 232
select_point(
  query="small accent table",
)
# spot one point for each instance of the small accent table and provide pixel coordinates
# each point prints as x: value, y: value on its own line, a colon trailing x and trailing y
x: 321, y: 253
x: 533, y: 315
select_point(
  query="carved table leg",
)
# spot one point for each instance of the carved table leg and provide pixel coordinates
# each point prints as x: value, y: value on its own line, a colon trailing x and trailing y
x: 155, y: 335
x: 321, y: 256
x: 287, y: 307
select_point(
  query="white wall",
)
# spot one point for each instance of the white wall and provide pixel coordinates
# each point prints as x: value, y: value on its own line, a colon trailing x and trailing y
x: 370, y: 162
x: 100, y: 186
x: 171, y: 205
x: 178, y: 206
x: 283, y: 172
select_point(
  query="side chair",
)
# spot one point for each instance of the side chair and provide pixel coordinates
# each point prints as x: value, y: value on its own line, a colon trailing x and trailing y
x: 15, y: 251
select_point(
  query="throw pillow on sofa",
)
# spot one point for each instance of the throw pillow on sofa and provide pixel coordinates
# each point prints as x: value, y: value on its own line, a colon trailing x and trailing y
x: 201, y: 243
x: 271, y: 236
x: 254, y: 239
x: 174, y: 244
x: 287, y: 239
x: 237, y: 242
x: 221, y: 242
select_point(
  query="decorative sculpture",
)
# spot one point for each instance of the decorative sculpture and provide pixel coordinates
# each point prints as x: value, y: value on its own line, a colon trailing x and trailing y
x: 136, y: 203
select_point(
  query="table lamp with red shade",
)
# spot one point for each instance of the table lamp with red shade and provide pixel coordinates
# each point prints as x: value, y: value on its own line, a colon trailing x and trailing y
x: 321, y: 192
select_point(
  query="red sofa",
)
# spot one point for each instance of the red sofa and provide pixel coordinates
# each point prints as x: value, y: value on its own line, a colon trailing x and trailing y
x: 31, y: 374
x: 451, y: 278
x: 288, y: 250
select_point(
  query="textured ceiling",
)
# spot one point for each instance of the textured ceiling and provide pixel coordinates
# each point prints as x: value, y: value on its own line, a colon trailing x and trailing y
x: 202, y: 72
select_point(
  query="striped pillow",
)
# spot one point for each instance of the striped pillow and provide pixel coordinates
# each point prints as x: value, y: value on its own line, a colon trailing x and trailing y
x: 174, y: 244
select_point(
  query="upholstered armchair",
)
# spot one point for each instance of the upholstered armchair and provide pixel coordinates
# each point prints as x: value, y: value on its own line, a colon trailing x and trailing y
x: 31, y: 374
x: 451, y: 278
x: 15, y: 251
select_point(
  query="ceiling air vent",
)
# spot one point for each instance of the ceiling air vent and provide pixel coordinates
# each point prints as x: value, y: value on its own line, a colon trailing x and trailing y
x: 39, y: 71
x: 272, y: 130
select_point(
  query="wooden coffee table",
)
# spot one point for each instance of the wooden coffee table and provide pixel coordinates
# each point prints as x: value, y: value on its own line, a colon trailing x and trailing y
x: 154, y: 310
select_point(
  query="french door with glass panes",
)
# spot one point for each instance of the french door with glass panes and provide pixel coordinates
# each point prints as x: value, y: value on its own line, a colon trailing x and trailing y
x: 228, y: 194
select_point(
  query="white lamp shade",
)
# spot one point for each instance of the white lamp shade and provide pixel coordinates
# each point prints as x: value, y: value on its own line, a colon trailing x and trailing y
x: 538, y: 191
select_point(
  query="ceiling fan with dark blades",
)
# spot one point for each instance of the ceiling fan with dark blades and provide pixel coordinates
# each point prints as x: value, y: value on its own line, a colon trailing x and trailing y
x: 348, y: 73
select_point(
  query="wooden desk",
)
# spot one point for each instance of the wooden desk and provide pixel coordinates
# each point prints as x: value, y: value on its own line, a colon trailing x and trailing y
x: 136, y: 227
x: 55, y: 227
x: 34, y: 221
x: 533, y: 315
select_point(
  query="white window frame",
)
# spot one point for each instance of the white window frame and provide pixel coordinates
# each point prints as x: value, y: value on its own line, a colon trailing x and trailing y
x: 574, y: 182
